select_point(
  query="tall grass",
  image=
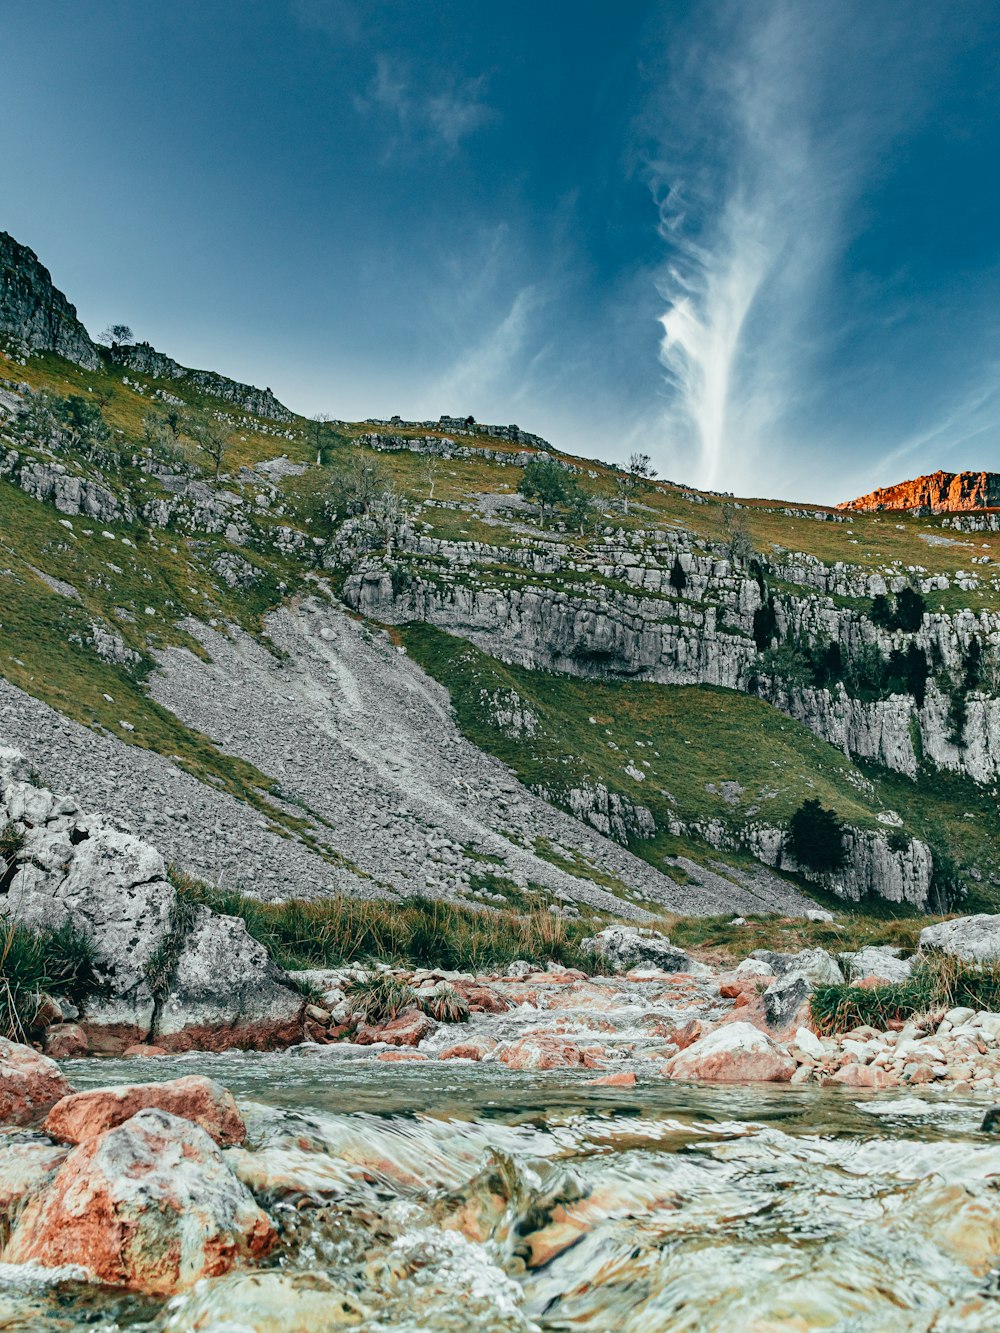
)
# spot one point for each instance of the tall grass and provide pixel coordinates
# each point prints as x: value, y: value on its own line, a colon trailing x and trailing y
x: 328, y: 932
x: 33, y: 963
x: 934, y: 984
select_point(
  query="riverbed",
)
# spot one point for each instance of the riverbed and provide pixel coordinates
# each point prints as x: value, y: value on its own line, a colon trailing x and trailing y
x: 434, y: 1196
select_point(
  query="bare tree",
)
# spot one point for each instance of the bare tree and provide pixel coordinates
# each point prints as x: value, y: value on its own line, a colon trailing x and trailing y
x: 430, y: 473
x: 317, y: 431
x: 635, y: 477
x: 736, y: 534
x: 211, y: 438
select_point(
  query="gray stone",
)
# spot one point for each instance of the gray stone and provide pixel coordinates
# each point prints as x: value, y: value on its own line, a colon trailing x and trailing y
x: 973, y: 939
x: 626, y: 947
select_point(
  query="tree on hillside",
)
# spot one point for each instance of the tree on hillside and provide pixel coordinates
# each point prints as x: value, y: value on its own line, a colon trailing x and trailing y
x: 318, y: 434
x: 83, y: 421
x: 816, y: 837
x: 210, y: 437
x: 430, y: 468
x: 117, y: 335
x: 636, y: 476
x: 545, y: 481
x: 736, y: 535
x: 578, y: 504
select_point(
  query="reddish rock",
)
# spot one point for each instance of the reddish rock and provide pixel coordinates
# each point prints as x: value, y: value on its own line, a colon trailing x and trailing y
x: 863, y: 1076
x: 481, y: 999
x: 733, y: 1053
x: 685, y: 1036
x: 65, y: 1041
x: 621, y: 1080
x: 84, y: 1115
x: 406, y: 1029
x: 143, y: 1049
x: 394, y: 1057
x: 25, y: 1168
x: 938, y: 492
x: 542, y: 1052
x: 30, y: 1084
x: 150, y: 1205
x: 473, y: 1049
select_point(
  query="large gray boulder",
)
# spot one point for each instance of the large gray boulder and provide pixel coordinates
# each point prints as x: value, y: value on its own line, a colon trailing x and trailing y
x: 225, y: 991
x: 783, y: 998
x: 972, y: 939
x: 626, y: 947
x: 816, y: 965
x: 222, y: 988
x: 881, y: 961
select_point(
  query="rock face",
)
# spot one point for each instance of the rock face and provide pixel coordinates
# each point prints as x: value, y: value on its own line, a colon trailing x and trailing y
x: 149, y: 1205
x: 734, y: 1053
x: 29, y: 1084
x: 973, y: 939
x: 34, y: 313
x: 937, y: 493
x: 880, y: 962
x: 71, y: 868
x: 626, y: 947
x: 83, y: 1115
x: 146, y: 360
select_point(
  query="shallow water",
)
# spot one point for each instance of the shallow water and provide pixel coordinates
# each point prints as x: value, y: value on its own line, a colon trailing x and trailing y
x: 449, y: 1196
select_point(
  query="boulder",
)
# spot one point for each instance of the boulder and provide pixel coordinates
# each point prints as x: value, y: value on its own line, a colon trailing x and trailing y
x: 149, y: 1205
x: 545, y: 1051
x: 25, y: 1168
x: 972, y: 939
x: 734, y: 1053
x: 66, y: 1041
x: 407, y: 1029
x: 82, y: 1115
x: 473, y: 1048
x: 754, y: 967
x: 269, y: 1302
x: 784, y: 997
x: 816, y: 965
x: 226, y: 992
x: 29, y: 1084
x: 882, y: 962
x: 626, y: 947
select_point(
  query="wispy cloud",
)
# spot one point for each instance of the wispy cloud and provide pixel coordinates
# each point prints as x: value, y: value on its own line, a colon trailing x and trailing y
x: 417, y: 116
x: 750, y: 207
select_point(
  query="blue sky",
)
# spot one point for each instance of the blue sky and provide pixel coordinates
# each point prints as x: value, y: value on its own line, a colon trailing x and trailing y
x: 758, y: 240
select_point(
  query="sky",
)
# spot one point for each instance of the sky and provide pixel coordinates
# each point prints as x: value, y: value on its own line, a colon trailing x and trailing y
x: 758, y: 240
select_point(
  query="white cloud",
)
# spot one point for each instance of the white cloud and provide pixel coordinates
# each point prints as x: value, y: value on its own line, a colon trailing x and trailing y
x: 418, y: 117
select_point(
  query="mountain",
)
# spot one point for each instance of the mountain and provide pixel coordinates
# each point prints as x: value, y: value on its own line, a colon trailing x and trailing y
x: 939, y: 493
x: 306, y: 657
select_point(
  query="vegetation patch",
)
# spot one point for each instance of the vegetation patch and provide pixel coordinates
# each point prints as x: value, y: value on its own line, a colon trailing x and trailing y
x: 935, y: 984
x: 35, y: 963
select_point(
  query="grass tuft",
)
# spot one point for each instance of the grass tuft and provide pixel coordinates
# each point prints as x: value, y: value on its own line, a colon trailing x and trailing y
x: 34, y: 963
x: 935, y: 984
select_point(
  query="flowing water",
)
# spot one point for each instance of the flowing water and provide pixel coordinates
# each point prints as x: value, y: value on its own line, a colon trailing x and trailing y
x: 445, y: 1196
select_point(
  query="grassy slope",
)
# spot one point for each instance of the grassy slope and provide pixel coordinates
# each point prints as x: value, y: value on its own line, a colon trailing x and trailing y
x: 689, y: 737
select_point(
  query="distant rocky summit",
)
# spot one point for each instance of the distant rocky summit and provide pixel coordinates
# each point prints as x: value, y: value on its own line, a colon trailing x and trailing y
x: 938, y: 493
x: 34, y: 312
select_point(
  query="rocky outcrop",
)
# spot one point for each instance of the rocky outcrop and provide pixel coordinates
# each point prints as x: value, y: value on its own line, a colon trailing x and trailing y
x: 149, y: 1205
x: 73, y: 869
x: 34, y: 313
x: 937, y: 493
x: 146, y: 360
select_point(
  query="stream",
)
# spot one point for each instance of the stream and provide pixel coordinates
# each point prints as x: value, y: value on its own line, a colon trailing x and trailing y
x: 438, y: 1196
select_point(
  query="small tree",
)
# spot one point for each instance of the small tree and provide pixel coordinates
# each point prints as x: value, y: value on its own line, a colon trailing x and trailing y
x: 430, y: 463
x: 545, y: 481
x: 84, y: 423
x: 117, y: 335
x: 910, y: 608
x: 816, y: 837
x: 318, y: 434
x: 578, y: 503
x: 635, y: 477
x: 211, y: 438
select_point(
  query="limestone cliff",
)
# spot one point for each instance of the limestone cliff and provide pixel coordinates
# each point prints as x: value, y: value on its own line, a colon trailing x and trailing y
x: 33, y: 313
x: 146, y: 360
x: 938, y: 493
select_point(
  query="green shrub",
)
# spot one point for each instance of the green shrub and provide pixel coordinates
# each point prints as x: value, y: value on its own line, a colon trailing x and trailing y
x: 378, y: 997
x: 934, y: 984
x: 33, y: 963
x: 816, y: 836
x: 445, y: 1005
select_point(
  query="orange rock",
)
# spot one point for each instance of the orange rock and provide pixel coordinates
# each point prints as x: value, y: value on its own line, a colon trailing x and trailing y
x: 938, y: 492
x: 83, y: 1115
x: 149, y: 1205
x: 140, y: 1049
x: 685, y: 1036
x: 64, y: 1041
x: 621, y: 1080
x: 481, y: 999
x: 406, y: 1029
x: 863, y: 1076
x: 29, y: 1084
x: 733, y: 1053
x: 542, y: 1052
x: 396, y: 1056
